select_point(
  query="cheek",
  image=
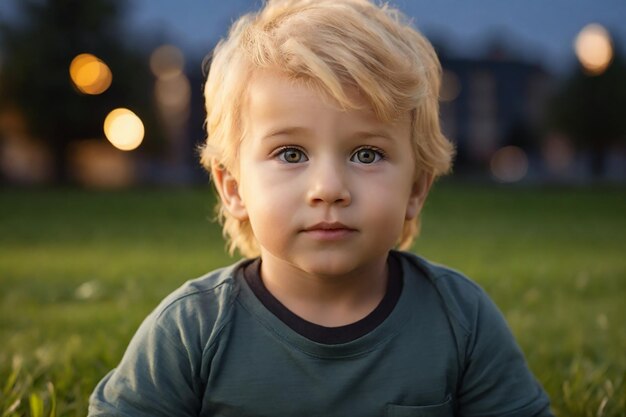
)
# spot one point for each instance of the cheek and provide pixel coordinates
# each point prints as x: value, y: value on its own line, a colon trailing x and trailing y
x: 386, y: 204
x: 391, y: 189
x: 261, y: 189
x: 268, y: 204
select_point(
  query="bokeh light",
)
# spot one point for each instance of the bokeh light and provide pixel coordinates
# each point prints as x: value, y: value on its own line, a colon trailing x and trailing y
x: 167, y: 61
x: 558, y: 153
x: 90, y: 74
x: 94, y: 163
x: 124, y: 129
x: 509, y: 164
x: 594, y: 49
x: 173, y: 93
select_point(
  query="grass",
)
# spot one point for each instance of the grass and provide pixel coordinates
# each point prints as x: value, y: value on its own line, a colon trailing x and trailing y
x: 79, y: 271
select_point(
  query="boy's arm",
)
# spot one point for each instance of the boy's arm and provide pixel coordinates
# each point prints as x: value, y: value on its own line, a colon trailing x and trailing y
x: 156, y: 377
x: 496, y: 380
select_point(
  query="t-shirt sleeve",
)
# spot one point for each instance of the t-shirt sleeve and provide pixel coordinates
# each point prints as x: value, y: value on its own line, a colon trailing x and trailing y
x: 496, y: 378
x: 156, y: 377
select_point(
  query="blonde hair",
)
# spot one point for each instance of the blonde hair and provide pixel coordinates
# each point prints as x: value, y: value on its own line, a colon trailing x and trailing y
x: 332, y: 45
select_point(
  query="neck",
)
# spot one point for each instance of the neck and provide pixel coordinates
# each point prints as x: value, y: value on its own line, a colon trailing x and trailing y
x: 326, y: 300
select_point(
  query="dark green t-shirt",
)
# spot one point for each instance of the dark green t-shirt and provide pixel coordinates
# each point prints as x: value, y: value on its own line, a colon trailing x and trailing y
x: 212, y: 348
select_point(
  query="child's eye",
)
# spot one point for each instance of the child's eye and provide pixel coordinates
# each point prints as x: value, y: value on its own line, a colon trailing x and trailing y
x: 291, y: 155
x: 367, y: 156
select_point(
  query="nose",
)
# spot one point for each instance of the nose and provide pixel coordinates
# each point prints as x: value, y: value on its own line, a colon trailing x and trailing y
x: 328, y: 185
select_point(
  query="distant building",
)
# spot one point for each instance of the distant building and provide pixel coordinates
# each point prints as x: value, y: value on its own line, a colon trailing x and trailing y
x: 490, y: 103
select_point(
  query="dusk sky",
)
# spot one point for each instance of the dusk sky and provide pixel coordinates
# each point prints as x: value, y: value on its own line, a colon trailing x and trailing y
x: 540, y: 30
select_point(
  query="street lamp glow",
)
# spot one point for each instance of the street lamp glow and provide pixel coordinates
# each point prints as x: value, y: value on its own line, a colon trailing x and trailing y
x: 90, y: 75
x: 124, y: 129
x: 594, y: 49
x: 167, y: 61
x: 173, y: 93
x: 509, y: 164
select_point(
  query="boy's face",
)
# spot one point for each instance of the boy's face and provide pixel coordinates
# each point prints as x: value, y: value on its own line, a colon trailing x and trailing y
x: 325, y: 190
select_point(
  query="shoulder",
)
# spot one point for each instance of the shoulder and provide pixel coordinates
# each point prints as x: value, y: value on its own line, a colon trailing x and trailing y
x: 461, y: 297
x: 217, y: 285
x: 201, y: 307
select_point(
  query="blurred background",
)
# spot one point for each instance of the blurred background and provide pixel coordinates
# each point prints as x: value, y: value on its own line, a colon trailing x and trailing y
x: 104, y: 209
x: 108, y: 93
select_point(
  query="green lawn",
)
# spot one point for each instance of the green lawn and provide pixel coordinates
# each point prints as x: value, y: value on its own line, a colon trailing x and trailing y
x: 79, y: 270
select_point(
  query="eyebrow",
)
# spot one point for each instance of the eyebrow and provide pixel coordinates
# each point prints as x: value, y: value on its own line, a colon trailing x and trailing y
x: 365, y: 134
x: 285, y: 131
x: 374, y: 133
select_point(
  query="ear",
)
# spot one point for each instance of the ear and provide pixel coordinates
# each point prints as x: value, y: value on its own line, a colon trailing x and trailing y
x: 228, y: 189
x: 419, y: 192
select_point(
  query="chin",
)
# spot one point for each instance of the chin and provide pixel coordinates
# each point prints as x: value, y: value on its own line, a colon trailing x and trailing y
x: 330, y: 264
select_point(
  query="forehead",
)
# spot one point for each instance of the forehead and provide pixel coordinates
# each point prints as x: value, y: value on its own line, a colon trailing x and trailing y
x: 274, y: 90
x: 275, y: 99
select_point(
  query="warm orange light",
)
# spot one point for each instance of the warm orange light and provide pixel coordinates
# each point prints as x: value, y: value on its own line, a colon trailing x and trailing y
x: 593, y: 48
x: 167, y: 62
x: 90, y: 75
x: 124, y: 129
x: 509, y: 164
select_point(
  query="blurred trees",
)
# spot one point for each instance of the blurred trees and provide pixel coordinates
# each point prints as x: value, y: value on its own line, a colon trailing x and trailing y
x: 35, y: 80
x: 591, y: 110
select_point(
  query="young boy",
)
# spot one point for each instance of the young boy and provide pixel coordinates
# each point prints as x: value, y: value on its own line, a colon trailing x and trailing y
x: 323, y: 141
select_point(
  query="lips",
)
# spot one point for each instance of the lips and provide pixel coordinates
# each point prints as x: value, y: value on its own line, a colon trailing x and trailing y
x: 326, y: 226
x: 329, y: 231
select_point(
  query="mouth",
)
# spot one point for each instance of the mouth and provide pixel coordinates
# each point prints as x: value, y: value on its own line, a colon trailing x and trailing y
x: 328, y: 227
x: 326, y: 231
